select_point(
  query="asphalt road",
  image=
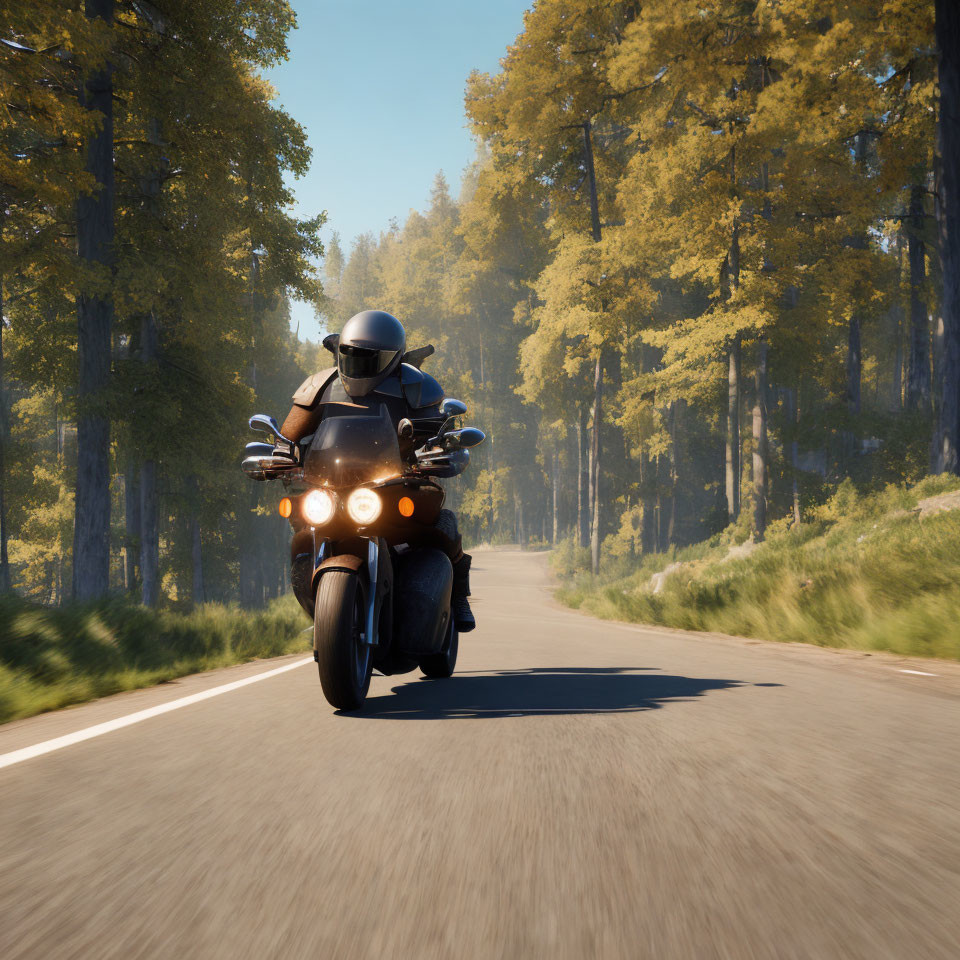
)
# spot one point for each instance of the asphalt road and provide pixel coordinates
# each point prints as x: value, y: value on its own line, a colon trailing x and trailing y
x: 579, y: 789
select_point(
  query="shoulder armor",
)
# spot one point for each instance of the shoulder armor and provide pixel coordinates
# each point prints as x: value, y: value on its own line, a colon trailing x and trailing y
x: 419, y: 388
x: 311, y: 388
x: 431, y: 393
x: 390, y: 387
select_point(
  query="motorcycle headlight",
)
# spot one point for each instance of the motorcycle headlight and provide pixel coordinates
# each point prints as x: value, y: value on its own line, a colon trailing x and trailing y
x: 363, y: 505
x: 318, y: 507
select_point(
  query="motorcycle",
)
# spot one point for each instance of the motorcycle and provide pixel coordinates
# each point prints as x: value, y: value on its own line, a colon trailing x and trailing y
x: 365, y: 562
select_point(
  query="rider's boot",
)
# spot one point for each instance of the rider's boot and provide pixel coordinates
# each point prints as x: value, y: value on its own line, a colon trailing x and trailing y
x: 462, y: 614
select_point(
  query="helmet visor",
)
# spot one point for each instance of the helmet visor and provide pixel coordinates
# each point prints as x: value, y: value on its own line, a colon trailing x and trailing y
x: 361, y: 363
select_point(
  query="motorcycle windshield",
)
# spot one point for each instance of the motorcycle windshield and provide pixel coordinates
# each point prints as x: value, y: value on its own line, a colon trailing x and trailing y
x: 348, y: 450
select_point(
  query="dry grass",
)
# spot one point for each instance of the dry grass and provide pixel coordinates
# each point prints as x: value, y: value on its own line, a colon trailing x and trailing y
x: 865, y: 572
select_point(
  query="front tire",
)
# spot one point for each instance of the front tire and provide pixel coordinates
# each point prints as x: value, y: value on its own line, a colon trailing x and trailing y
x: 344, y: 661
x: 441, y: 665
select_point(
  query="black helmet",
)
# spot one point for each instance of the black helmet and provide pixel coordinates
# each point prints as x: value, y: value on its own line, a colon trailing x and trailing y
x: 370, y: 349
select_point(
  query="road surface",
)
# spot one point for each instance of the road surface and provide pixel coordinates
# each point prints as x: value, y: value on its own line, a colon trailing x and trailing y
x: 579, y: 789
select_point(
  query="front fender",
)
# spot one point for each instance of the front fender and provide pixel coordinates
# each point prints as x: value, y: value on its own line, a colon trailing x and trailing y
x: 375, y: 574
x: 345, y: 561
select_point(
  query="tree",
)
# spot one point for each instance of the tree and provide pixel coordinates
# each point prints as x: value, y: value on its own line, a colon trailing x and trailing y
x: 95, y: 233
x: 200, y: 156
x: 948, y: 44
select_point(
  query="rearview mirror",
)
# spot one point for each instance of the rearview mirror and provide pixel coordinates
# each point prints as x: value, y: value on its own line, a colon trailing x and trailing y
x: 260, y: 421
x: 466, y: 437
x: 452, y: 408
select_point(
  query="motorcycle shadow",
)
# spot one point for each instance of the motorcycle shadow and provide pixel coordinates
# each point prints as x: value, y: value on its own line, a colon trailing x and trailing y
x: 537, y: 692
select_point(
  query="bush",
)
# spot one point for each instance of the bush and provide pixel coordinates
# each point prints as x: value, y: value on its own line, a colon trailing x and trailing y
x: 568, y: 558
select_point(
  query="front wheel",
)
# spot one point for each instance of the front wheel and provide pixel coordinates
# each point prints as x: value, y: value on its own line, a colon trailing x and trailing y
x: 342, y: 656
x: 442, y: 664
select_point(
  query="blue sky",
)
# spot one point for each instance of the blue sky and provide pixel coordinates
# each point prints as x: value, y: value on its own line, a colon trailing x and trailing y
x: 378, y: 84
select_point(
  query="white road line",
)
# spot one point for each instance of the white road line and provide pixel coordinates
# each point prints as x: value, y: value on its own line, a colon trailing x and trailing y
x: 48, y: 746
x: 921, y: 673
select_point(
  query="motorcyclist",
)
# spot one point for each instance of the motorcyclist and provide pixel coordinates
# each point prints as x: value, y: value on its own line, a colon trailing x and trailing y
x: 373, y: 369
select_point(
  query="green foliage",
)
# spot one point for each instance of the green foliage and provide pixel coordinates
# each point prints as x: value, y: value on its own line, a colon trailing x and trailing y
x: 52, y: 658
x: 752, y: 165
x: 206, y: 254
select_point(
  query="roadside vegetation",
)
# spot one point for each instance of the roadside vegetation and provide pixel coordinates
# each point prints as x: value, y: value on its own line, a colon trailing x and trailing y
x: 879, y: 571
x: 51, y: 658
x: 702, y: 274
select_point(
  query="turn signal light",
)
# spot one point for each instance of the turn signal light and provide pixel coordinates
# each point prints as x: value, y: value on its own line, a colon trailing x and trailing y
x: 286, y: 507
x: 405, y: 506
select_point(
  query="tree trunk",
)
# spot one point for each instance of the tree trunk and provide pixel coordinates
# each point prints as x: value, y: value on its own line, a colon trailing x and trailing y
x: 648, y: 504
x: 196, y: 542
x: 896, y: 389
x: 595, y: 464
x: 733, y: 432
x: 948, y: 42
x: 149, y: 505
x: 132, y: 534
x: 149, y: 534
x: 854, y: 364
x: 793, y: 413
x: 251, y: 565
x: 595, y: 529
x: 854, y: 347
x: 897, y: 325
x: 4, y: 559
x: 591, y: 182
x: 730, y: 277
x: 918, y: 377
x: 675, y: 417
x: 596, y: 233
x: 556, y: 497
x: 59, y: 585
x: 95, y: 230
x: 664, y: 501
x: 492, y: 519
x: 760, y: 443
x: 583, y: 521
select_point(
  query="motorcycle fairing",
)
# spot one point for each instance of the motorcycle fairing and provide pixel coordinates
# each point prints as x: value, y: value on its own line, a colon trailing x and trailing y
x: 350, y: 449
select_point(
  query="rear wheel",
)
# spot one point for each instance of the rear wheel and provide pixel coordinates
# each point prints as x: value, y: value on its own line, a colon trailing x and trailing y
x: 442, y: 664
x: 342, y: 656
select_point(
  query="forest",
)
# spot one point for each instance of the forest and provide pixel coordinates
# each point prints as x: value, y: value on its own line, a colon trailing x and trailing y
x: 148, y: 254
x: 694, y: 277
x: 703, y: 270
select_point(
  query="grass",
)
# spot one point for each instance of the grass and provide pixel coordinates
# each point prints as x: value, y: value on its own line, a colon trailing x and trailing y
x: 50, y: 658
x: 865, y: 572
